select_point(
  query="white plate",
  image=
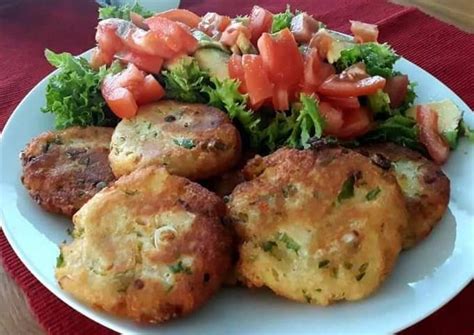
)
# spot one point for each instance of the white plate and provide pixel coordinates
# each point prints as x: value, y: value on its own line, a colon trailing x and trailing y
x: 424, y: 279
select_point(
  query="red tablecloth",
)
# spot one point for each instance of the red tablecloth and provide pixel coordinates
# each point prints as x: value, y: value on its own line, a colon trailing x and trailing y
x: 28, y: 26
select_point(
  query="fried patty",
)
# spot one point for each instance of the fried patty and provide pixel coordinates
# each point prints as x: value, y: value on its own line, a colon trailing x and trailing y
x: 317, y: 227
x: 425, y: 187
x: 151, y: 247
x: 191, y: 140
x: 63, y: 169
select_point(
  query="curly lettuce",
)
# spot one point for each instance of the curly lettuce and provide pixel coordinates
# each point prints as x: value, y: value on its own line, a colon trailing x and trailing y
x: 378, y: 58
x: 123, y: 12
x: 308, y: 124
x: 398, y: 129
x: 379, y: 103
x: 184, y: 81
x: 282, y: 20
x: 224, y: 94
x: 73, y: 94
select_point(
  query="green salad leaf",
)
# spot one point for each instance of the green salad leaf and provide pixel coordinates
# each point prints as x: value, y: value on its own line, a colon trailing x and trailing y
x: 277, y: 131
x: 308, y: 124
x: 282, y: 20
x: 379, y: 103
x: 123, y: 12
x: 294, y: 128
x: 184, y: 81
x: 225, y: 95
x: 378, y: 58
x: 73, y: 94
x: 398, y: 129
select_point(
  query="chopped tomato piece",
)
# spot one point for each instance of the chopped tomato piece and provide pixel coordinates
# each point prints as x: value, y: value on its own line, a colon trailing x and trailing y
x: 131, y: 78
x: 312, y: 64
x: 280, y: 99
x: 106, y: 37
x: 138, y: 20
x: 121, y: 102
x: 150, y: 91
x: 397, y: 89
x: 236, y: 71
x: 168, y: 32
x: 281, y: 58
x: 176, y: 37
x: 115, y: 34
x: 148, y: 63
x: 354, y: 72
x: 322, y: 41
x: 427, y: 121
x: 260, y: 22
x: 147, y: 42
x: 303, y: 26
x: 315, y: 71
x: 190, y: 43
x: 356, y: 123
x: 258, y: 85
x: 124, y: 91
x: 213, y: 24
x: 344, y: 103
x: 333, y: 118
x: 351, y: 83
x: 181, y: 15
x: 364, y: 32
x: 232, y: 32
x: 100, y: 58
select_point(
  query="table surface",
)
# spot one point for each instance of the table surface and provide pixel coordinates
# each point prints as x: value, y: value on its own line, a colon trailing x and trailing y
x: 15, y: 317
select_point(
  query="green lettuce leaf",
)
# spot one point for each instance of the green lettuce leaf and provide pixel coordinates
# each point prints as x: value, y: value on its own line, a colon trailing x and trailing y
x: 184, y: 81
x: 224, y: 94
x: 73, y: 94
x: 398, y: 129
x: 282, y: 20
x: 123, y: 12
x: 378, y: 58
x: 379, y: 103
x: 309, y: 123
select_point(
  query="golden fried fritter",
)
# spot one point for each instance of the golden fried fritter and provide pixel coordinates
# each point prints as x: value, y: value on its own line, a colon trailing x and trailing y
x: 317, y: 227
x: 63, y: 169
x: 191, y: 140
x: 151, y: 247
x: 425, y: 187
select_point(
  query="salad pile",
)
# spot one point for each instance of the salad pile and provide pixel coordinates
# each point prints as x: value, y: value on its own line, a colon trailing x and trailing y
x: 284, y: 79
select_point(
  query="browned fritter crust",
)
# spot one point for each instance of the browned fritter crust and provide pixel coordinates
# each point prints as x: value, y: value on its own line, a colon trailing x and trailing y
x: 303, y: 239
x: 425, y: 187
x: 195, y: 141
x: 63, y: 169
x: 151, y: 247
